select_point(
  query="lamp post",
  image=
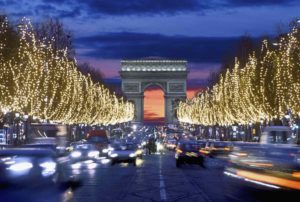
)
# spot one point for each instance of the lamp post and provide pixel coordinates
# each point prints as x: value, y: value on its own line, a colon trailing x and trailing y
x: 26, y: 118
x: 297, y: 125
x: 16, y: 123
x: 5, y: 126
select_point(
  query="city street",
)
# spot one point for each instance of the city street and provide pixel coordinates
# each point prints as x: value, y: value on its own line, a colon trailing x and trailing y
x: 155, y: 178
x: 149, y: 101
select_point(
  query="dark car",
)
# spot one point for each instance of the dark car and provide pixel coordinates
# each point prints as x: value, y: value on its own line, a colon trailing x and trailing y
x: 189, y: 152
x: 33, y: 175
x: 170, y: 144
x: 100, y: 139
x: 27, y: 165
x: 58, y: 150
x: 217, y: 148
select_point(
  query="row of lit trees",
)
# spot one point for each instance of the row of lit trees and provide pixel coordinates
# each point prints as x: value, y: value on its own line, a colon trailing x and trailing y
x: 44, y: 82
x: 267, y: 87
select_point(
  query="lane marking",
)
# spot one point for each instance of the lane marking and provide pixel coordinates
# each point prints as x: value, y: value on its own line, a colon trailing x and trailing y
x: 162, y: 187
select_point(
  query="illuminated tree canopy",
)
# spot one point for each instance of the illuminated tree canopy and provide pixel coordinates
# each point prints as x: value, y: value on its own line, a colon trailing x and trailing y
x: 266, y: 87
x: 44, y: 82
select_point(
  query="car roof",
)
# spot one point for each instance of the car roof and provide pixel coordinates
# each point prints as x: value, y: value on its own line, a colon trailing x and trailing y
x: 276, y: 128
x: 26, y: 152
x: 189, y: 142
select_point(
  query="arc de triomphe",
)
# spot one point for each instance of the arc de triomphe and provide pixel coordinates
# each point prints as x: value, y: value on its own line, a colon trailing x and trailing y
x: 169, y: 75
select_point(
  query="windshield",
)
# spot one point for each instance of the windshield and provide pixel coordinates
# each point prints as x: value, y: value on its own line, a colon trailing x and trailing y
x: 171, y: 141
x: 98, y: 139
x: 124, y: 147
x: 84, y: 147
x: 220, y: 144
x: 191, y: 147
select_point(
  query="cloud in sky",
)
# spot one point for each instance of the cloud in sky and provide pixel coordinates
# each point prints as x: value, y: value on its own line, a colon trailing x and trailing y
x: 166, y: 17
x: 100, y: 8
x: 143, y: 7
x: 238, y: 3
x: 138, y: 45
x: 157, y: 7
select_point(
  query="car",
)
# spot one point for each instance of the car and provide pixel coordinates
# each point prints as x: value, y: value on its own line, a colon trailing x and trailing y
x: 123, y: 153
x: 188, y: 152
x: 273, y: 164
x: 84, y: 151
x: 27, y: 165
x: 41, y: 146
x: 217, y: 148
x: 170, y: 144
x: 32, y: 174
x: 100, y: 139
x: 59, y: 151
x: 139, y: 151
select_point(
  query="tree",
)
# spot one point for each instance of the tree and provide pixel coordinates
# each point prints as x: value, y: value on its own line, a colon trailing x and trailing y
x: 87, y: 69
x: 45, y: 83
x: 266, y: 87
x: 8, y: 38
x: 54, y: 32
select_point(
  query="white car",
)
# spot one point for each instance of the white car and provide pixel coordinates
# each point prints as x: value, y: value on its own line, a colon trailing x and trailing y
x: 123, y: 153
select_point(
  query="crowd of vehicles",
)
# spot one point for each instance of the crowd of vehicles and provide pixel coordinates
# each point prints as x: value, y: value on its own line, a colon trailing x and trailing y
x: 273, y: 163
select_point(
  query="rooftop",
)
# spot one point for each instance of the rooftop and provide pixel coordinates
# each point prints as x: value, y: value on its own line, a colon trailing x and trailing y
x: 154, y: 65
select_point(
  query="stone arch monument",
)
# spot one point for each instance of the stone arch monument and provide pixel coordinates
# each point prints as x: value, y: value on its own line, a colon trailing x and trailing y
x: 169, y: 75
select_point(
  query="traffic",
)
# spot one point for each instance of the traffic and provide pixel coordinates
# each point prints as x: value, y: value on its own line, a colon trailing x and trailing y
x: 272, y: 164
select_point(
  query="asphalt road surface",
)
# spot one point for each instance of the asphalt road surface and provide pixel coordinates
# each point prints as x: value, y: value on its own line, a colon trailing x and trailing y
x: 156, y: 178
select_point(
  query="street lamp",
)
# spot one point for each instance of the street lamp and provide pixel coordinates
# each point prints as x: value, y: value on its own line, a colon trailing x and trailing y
x: 5, y: 125
x: 26, y: 126
x: 16, y: 122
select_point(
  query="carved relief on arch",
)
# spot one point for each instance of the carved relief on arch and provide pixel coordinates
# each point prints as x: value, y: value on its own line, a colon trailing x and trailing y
x: 162, y: 85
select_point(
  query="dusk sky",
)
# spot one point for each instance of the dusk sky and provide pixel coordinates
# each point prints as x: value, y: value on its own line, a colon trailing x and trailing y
x: 200, y: 31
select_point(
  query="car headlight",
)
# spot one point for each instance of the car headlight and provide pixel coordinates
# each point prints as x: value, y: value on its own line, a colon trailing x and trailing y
x: 132, y: 155
x: 113, y: 155
x: 105, y: 150
x: 93, y: 154
x: 20, y: 167
x: 76, y: 154
x: 139, y: 152
x: 49, y: 168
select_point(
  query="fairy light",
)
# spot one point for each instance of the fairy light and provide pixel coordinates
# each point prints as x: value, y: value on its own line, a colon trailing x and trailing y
x: 42, y: 82
x: 264, y: 88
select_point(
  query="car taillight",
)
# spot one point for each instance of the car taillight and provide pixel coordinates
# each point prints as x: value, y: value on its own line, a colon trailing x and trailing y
x: 296, y: 174
x: 179, y: 151
x: 240, y: 154
x: 203, y: 151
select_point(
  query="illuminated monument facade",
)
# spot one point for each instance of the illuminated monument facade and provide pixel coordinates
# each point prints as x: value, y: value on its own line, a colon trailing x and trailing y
x: 169, y: 75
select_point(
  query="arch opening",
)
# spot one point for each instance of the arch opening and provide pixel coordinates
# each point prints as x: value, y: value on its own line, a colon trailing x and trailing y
x: 154, y: 105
